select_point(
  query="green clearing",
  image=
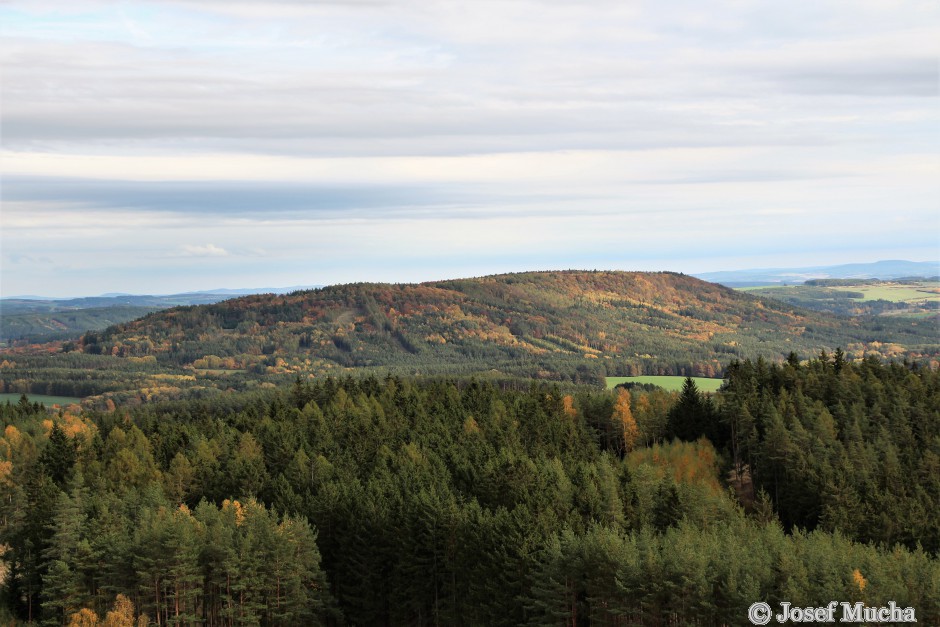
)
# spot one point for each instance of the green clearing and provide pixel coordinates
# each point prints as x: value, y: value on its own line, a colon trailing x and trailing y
x: 907, y: 299
x: 913, y: 292
x: 900, y: 292
x: 45, y: 399
x: 672, y: 384
x: 751, y: 288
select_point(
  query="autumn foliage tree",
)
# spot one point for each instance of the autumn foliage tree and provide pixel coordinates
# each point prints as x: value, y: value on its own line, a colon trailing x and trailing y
x: 627, y: 431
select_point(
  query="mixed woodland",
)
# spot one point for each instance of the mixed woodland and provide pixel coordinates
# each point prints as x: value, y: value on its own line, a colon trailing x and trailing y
x: 390, y: 500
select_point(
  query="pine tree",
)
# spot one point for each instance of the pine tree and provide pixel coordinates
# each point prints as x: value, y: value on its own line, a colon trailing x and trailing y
x: 63, y: 592
x: 689, y: 418
x: 59, y: 455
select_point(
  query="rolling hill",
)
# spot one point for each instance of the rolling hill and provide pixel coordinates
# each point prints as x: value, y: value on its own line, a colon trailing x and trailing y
x: 561, y: 325
x: 64, y: 324
x: 38, y: 319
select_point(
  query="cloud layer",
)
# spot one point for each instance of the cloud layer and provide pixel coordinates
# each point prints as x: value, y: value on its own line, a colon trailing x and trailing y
x: 314, y: 142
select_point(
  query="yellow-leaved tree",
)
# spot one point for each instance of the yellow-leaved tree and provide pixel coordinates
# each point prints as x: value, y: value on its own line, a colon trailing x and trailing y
x: 567, y: 403
x: 860, y: 582
x: 122, y: 615
x: 622, y: 418
x: 84, y: 618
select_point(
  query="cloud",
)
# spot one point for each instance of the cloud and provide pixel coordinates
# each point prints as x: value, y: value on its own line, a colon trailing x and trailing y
x: 232, y: 198
x: 205, y: 250
x: 18, y: 259
x: 867, y: 77
x: 321, y: 141
x: 405, y: 78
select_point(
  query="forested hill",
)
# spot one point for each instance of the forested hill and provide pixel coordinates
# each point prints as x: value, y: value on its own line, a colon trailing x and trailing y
x: 568, y: 324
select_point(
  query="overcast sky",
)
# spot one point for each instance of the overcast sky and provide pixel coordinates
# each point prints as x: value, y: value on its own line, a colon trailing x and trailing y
x: 158, y: 147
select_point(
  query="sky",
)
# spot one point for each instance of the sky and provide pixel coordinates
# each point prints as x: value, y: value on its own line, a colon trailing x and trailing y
x: 178, y: 145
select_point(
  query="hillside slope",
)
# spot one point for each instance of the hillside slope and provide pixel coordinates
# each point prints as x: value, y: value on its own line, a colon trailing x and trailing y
x: 43, y: 320
x: 570, y: 324
x: 66, y: 324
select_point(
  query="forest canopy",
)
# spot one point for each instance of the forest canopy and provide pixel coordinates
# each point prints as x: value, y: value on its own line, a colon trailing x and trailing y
x: 398, y: 501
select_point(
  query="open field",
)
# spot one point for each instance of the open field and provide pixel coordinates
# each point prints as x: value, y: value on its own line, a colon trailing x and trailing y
x: 46, y: 400
x: 773, y: 286
x: 668, y: 383
x: 917, y: 291
x: 901, y: 292
x: 910, y: 299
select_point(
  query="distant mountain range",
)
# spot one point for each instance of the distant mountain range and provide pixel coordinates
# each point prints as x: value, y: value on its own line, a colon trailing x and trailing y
x: 184, y: 298
x: 889, y: 269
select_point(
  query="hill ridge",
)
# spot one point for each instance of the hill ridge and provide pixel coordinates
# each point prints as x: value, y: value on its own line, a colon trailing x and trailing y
x: 578, y: 324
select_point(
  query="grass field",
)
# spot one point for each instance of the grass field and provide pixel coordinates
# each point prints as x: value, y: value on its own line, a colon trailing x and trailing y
x: 900, y: 292
x: 914, y: 292
x: 48, y: 401
x: 751, y: 288
x: 668, y: 383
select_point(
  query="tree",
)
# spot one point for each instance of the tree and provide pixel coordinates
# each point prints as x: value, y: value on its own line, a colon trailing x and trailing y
x: 84, y: 618
x: 67, y: 555
x: 248, y: 471
x: 122, y: 614
x: 166, y: 559
x: 58, y: 456
x: 628, y: 433
x: 689, y: 417
x: 179, y: 478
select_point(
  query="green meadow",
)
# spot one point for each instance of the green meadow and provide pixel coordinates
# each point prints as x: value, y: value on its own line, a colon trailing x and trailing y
x: 45, y: 399
x: 672, y: 384
x: 912, y: 292
x: 772, y: 286
x: 900, y: 292
x: 908, y: 299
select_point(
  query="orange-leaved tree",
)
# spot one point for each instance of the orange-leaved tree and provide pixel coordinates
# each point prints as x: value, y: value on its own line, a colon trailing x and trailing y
x: 622, y: 418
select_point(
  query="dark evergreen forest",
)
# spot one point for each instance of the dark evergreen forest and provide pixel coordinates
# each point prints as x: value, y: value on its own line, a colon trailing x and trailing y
x: 391, y: 501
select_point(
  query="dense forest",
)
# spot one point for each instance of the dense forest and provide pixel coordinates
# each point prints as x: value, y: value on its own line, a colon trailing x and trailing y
x: 385, y: 500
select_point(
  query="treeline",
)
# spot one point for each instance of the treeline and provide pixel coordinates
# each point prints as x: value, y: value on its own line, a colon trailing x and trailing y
x: 392, y: 501
x: 77, y: 374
